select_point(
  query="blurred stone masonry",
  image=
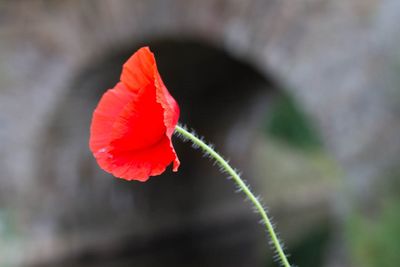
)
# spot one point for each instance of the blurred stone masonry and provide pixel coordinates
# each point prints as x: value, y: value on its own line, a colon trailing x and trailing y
x: 337, y: 58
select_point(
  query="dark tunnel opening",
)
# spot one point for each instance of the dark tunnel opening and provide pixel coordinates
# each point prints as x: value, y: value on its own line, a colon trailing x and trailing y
x: 189, y: 218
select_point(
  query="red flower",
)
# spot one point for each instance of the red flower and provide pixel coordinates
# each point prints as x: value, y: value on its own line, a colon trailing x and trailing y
x: 131, y: 129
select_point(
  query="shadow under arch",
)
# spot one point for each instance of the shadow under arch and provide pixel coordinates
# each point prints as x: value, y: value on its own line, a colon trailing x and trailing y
x: 191, y: 218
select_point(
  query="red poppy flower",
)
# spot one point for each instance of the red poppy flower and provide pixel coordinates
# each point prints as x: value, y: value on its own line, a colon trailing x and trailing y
x: 130, y: 134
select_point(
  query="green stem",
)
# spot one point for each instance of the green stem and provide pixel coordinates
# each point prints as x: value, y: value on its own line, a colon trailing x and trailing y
x: 182, y: 132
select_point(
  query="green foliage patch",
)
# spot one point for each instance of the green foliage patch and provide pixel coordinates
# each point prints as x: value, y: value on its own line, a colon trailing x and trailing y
x: 288, y: 123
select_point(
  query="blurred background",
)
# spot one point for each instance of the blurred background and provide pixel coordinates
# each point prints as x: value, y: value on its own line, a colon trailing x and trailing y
x: 302, y: 96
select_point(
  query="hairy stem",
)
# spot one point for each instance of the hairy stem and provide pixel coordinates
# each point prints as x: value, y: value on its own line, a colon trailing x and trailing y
x: 186, y: 135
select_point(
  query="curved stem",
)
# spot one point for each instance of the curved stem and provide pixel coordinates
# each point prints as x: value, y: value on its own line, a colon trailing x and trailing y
x: 182, y: 132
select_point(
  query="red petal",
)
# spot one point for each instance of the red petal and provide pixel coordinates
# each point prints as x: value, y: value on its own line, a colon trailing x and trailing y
x: 138, y: 71
x: 171, y: 111
x: 142, y: 163
x: 110, y: 106
x: 140, y: 124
